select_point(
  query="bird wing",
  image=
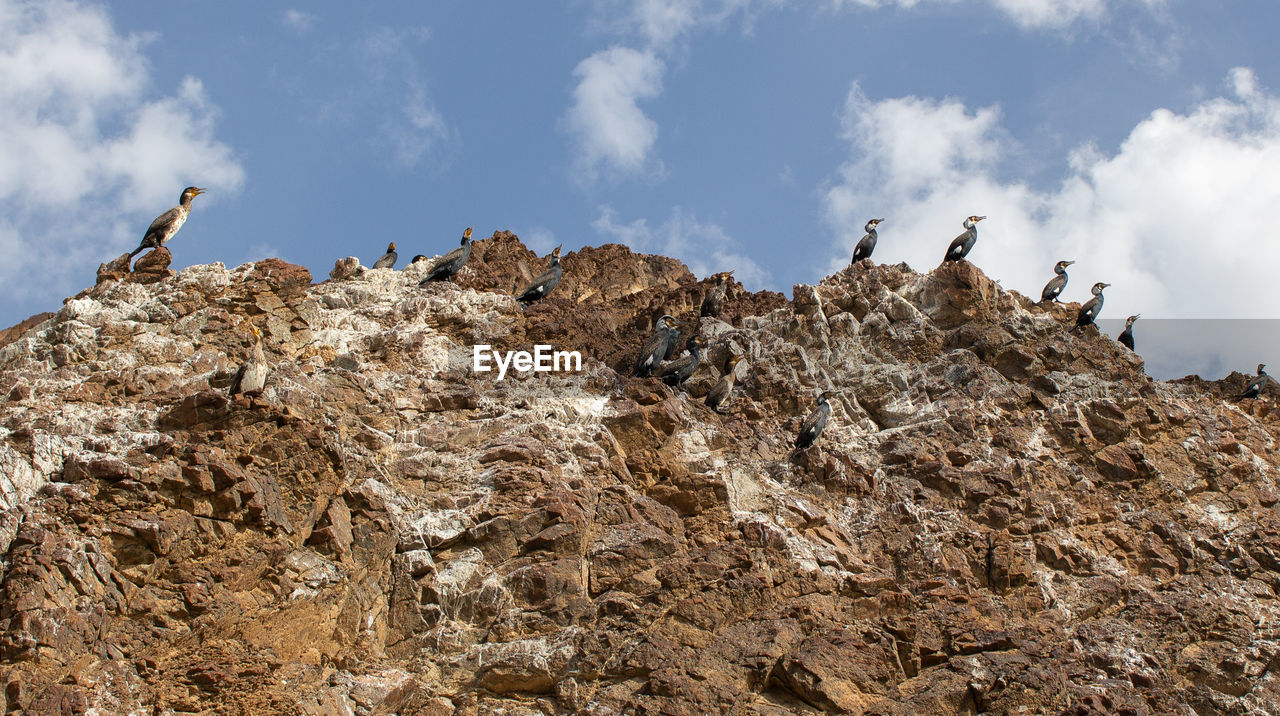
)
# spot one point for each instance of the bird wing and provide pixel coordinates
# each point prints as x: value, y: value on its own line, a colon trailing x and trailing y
x: 1089, y: 311
x: 387, y: 260
x: 718, y: 392
x: 957, y: 242
x: 238, y: 379
x: 162, y: 222
x: 1053, y: 288
x: 864, y: 247
x: 652, y: 348
x: 675, y: 366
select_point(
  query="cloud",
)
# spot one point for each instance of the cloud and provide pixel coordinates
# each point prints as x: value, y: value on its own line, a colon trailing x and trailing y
x: 612, y: 131
x: 704, y: 247
x: 299, y: 21
x: 89, y: 154
x: 1177, y: 219
x: 1027, y: 14
x: 539, y: 239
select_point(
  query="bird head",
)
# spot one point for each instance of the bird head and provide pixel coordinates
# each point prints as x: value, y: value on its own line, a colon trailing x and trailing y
x: 874, y: 223
x: 976, y: 219
x: 556, y: 252
x: 699, y: 341
x: 1064, y: 264
x: 467, y: 234
x: 1262, y: 368
x: 252, y: 330
x: 391, y: 247
x: 1129, y: 321
x: 734, y: 360
x: 1097, y: 287
x: 667, y: 320
x: 419, y: 257
x: 191, y: 191
x: 827, y: 395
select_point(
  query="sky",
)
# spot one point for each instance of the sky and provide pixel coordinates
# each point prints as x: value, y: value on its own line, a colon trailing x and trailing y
x: 1140, y: 138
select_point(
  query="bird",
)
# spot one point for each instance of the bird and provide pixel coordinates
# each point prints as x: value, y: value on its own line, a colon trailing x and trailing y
x: 1126, y: 337
x: 963, y: 244
x: 1255, y: 386
x: 1089, y: 311
x: 417, y: 258
x: 715, y: 295
x: 388, y: 259
x: 1054, y: 288
x: 868, y: 243
x: 544, y: 283
x: 723, y: 389
x: 656, y: 348
x: 675, y: 372
x: 812, y: 426
x: 168, y: 223
x: 252, y: 376
x: 452, y: 262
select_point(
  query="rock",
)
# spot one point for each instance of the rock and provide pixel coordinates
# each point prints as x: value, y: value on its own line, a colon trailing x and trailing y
x: 385, y: 531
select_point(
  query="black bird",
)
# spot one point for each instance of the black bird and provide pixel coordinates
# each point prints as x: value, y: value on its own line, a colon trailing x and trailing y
x: 812, y: 426
x: 724, y: 387
x: 963, y: 244
x: 1054, y: 288
x: 388, y: 259
x: 715, y: 295
x: 675, y: 372
x: 252, y: 375
x: 544, y: 283
x: 1090, y: 310
x: 417, y: 258
x: 1254, y: 389
x: 168, y: 223
x: 868, y: 243
x: 451, y: 262
x: 658, y: 346
x: 1126, y: 337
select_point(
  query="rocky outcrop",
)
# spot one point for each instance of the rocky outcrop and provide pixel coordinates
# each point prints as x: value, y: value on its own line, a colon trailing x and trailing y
x: 1003, y: 515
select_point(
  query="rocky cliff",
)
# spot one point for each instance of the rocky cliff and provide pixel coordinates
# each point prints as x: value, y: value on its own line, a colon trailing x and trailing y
x: 1002, y: 516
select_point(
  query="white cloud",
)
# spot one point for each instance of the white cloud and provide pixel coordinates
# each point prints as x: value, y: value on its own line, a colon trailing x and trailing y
x: 299, y: 21
x: 1027, y: 14
x: 1178, y: 218
x: 88, y: 153
x: 539, y: 239
x: 704, y: 247
x: 611, y: 130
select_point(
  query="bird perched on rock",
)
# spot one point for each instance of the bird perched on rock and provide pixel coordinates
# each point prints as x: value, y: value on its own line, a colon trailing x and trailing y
x: 168, y: 223
x: 544, y: 283
x: 252, y: 376
x: 388, y: 259
x: 1126, y: 337
x: 417, y: 258
x: 1255, y: 386
x: 679, y: 370
x: 712, y: 301
x: 1054, y: 288
x: 1089, y: 311
x: 812, y: 426
x: 868, y: 243
x: 452, y: 262
x: 963, y: 244
x: 657, y: 347
x: 723, y: 388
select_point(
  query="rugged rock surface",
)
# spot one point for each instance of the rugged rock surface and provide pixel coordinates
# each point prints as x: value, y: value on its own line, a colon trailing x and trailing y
x: 1003, y: 516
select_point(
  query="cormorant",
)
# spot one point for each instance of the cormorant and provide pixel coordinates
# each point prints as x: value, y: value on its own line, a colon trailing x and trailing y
x: 417, y: 258
x: 678, y: 371
x: 544, y: 283
x: 1127, y: 336
x: 715, y: 295
x: 963, y: 244
x: 168, y: 223
x: 724, y: 388
x: 868, y: 243
x: 252, y: 376
x: 1254, y: 389
x: 664, y: 335
x: 812, y: 426
x: 451, y: 262
x: 1089, y: 311
x: 1054, y: 288
x: 388, y: 259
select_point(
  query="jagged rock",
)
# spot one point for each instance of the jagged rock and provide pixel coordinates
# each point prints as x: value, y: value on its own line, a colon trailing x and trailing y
x: 1002, y: 516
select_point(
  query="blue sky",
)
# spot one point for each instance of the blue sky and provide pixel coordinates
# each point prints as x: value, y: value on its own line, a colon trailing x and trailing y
x: 756, y: 135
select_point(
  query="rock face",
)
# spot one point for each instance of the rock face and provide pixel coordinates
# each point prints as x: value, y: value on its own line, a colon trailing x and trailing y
x: 1002, y: 516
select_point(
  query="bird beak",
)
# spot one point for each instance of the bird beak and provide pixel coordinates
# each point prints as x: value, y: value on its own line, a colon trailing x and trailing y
x: 879, y: 221
x: 1137, y: 316
x: 980, y: 218
x: 1070, y: 262
x: 199, y: 192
